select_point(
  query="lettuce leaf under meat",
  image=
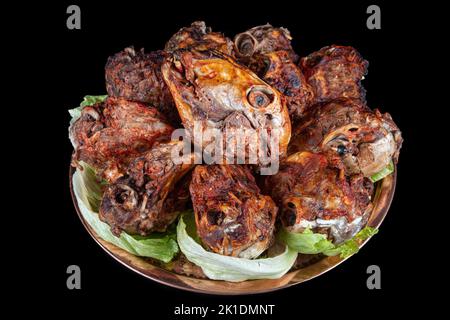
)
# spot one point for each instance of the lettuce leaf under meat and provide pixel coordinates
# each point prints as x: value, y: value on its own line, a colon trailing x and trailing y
x: 383, y: 173
x: 88, y: 192
x: 220, y: 267
x: 87, y: 101
x: 308, y: 242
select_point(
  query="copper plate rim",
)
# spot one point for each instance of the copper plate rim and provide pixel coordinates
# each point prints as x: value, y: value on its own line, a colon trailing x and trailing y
x: 384, y: 194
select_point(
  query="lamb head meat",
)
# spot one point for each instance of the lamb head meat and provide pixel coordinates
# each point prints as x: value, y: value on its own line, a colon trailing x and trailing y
x: 151, y: 195
x: 268, y: 52
x: 335, y: 72
x: 212, y: 91
x: 136, y: 76
x: 233, y: 218
x: 109, y: 135
x: 313, y: 195
x: 200, y: 37
x: 366, y: 141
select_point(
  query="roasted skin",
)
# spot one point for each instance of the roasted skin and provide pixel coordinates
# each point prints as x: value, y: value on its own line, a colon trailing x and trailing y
x: 268, y: 52
x: 284, y: 75
x: 335, y: 72
x: 214, y: 92
x: 312, y: 194
x: 199, y: 37
x: 136, y: 76
x: 108, y: 136
x: 262, y: 40
x: 364, y: 140
x: 150, y: 196
x: 231, y: 215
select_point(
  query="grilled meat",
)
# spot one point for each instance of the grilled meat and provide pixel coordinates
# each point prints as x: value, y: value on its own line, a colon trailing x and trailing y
x: 213, y: 92
x: 109, y: 135
x: 284, y: 75
x: 312, y: 194
x: 267, y: 51
x: 150, y: 196
x: 364, y: 140
x: 199, y: 37
x: 335, y: 72
x: 262, y: 40
x: 232, y: 216
x: 136, y: 76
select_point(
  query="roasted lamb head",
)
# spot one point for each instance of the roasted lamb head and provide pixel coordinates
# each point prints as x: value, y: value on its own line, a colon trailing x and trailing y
x: 213, y: 92
x: 335, y: 72
x: 366, y: 141
x: 233, y: 218
x: 109, y: 135
x: 262, y: 40
x: 312, y: 194
x: 150, y: 196
x: 198, y: 36
x: 267, y: 51
x: 136, y: 76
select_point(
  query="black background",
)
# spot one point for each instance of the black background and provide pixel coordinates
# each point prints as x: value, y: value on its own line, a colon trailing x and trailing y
x: 71, y: 65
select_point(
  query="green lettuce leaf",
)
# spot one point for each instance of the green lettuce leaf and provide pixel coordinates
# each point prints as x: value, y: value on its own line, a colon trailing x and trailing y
x: 306, y: 242
x: 87, y: 101
x: 351, y: 246
x: 219, y: 267
x: 88, y: 192
x: 383, y: 173
x: 309, y: 242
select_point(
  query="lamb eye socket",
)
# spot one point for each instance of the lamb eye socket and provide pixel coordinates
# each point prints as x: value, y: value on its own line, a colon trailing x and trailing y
x: 259, y: 99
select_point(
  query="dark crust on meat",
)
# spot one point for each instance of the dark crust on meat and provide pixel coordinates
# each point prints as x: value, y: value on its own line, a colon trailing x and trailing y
x: 267, y: 51
x: 150, y: 197
x: 335, y: 72
x: 284, y: 75
x: 198, y: 80
x: 262, y: 40
x: 230, y: 213
x: 108, y: 136
x: 308, y: 188
x: 136, y: 76
x: 199, y: 37
x: 347, y: 119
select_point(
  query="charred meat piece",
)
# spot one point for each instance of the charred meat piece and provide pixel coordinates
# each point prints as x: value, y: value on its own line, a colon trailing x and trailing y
x: 261, y: 40
x: 284, y: 75
x: 233, y: 218
x: 335, y: 72
x: 267, y: 51
x: 136, y: 76
x: 213, y: 92
x: 312, y: 194
x: 150, y: 196
x: 364, y: 140
x: 108, y: 136
x: 199, y: 37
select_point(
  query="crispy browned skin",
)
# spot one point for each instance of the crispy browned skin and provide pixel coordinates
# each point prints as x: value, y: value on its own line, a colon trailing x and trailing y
x: 263, y: 39
x: 364, y: 140
x: 108, y: 136
x: 214, y: 91
x: 232, y: 216
x: 150, y: 196
x: 268, y: 52
x: 200, y: 37
x: 312, y: 194
x: 284, y: 75
x: 136, y: 76
x: 335, y: 72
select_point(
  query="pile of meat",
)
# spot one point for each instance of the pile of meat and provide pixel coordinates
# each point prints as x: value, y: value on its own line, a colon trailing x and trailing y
x: 330, y: 142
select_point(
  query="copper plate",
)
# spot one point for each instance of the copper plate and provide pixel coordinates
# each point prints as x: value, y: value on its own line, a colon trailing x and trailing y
x: 383, y: 197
